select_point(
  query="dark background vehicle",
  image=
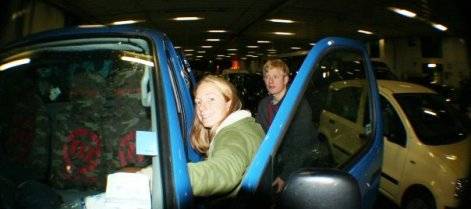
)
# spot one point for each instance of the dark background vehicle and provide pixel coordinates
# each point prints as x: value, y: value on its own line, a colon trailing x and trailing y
x: 250, y: 87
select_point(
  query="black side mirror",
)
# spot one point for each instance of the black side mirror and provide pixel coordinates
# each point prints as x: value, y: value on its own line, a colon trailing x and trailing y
x: 321, y: 189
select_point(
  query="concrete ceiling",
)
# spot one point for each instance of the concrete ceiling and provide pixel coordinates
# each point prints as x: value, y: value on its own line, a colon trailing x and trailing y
x: 246, y: 20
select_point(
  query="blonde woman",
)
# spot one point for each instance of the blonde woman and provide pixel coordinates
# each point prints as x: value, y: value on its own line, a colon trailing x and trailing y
x: 227, y: 136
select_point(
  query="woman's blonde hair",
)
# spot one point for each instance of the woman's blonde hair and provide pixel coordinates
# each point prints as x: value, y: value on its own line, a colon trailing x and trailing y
x: 201, y: 137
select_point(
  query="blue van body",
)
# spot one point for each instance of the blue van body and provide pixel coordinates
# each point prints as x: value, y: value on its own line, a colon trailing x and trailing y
x: 170, y: 91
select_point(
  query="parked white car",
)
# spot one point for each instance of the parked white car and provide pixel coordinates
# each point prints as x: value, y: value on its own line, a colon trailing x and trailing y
x: 427, y: 151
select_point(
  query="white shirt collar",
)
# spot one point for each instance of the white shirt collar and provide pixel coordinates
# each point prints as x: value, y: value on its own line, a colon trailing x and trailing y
x: 232, y: 118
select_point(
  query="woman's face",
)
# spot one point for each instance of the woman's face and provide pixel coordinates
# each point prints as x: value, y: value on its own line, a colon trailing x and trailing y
x: 211, y: 107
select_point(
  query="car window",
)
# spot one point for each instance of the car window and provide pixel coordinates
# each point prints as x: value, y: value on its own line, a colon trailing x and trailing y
x: 71, y: 113
x: 434, y: 121
x: 329, y: 109
x: 393, y: 129
x: 337, y: 99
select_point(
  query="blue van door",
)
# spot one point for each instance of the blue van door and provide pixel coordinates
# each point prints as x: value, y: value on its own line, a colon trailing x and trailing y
x: 317, y: 124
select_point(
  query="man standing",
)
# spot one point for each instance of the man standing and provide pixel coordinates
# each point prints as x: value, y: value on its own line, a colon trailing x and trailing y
x: 300, y: 139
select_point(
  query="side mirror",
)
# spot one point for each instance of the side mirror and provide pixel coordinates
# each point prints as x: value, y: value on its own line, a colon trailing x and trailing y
x: 321, y: 189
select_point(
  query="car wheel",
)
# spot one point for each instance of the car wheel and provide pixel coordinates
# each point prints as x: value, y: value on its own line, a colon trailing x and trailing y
x: 422, y: 200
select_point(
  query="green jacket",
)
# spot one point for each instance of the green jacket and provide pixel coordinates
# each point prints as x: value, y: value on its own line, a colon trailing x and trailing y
x: 229, y: 155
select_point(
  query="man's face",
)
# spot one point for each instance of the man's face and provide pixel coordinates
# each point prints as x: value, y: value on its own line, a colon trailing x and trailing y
x: 275, y: 81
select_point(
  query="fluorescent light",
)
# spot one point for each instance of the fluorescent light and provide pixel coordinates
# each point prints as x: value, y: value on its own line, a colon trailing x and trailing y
x: 231, y: 49
x: 217, y: 31
x: 213, y: 39
x: 431, y: 65
x: 177, y: 47
x: 281, y: 20
x: 295, y: 48
x: 231, y: 54
x: 188, y: 50
x: 221, y: 55
x: 430, y: 112
x: 312, y: 44
x: 271, y: 50
x: 189, y: 54
x: 252, y: 47
x: 14, y: 63
x: 206, y: 47
x: 125, y: 22
x: 91, y: 26
x: 403, y: 12
x: 137, y: 60
x: 199, y: 56
x: 263, y: 42
x: 283, y: 33
x: 187, y: 18
x: 365, y: 32
x: 439, y: 26
x: 201, y: 52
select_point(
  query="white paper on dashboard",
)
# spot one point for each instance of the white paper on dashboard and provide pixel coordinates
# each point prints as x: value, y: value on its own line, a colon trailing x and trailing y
x: 127, y: 191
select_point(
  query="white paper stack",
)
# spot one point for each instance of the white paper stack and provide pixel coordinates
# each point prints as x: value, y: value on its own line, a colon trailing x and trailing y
x: 123, y: 191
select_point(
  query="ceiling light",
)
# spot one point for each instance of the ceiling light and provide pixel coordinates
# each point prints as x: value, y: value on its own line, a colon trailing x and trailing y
x: 220, y: 55
x: 91, y: 26
x: 271, y: 50
x: 252, y: 47
x: 213, y: 39
x: 188, y: 50
x: 189, y: 54
x: 177, y: 47
x: 231, y: 49
x: 295, y: 48
x: 281, y: 20
x: 263, y: 42
x: 439, y: 26
x: 431, y: 65
x: 365, y: 32
x: 201, y: 52
x: 187, y: 18
x: 430, y: 112
x: 284, y: 33
x: 217, y: 31
x: 312, y: 44
x: 206, y: 47
x: 199, y: 56
x: 232, y: 54
x: 126, y: 22
x: 403, y: 12
x: 14, y: 63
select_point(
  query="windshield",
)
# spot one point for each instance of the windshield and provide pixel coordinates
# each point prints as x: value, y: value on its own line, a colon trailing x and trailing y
x: 434, y: 121
x: 69, y: 111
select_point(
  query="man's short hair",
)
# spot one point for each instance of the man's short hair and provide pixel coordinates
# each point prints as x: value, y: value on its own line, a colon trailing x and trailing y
x: 275, y: 63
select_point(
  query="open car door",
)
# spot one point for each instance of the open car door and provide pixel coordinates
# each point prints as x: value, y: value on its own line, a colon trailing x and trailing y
x: 332, y: 62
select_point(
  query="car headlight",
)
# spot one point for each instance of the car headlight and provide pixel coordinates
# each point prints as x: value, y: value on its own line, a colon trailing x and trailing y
x: 462, y: 188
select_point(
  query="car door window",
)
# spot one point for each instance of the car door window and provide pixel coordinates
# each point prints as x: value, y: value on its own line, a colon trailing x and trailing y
x: 72, y: 113
x: 336, y: 95
x: 393, y: 129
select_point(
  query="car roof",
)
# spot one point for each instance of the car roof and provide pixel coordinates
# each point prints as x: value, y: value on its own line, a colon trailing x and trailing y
x: 401, y: 87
